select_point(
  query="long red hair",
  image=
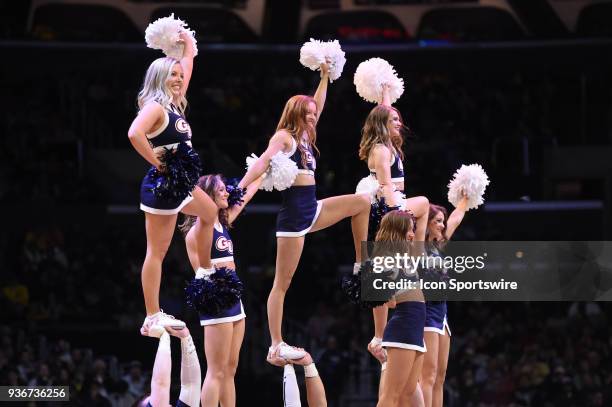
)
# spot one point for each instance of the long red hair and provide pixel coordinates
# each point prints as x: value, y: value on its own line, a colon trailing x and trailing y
x: 293, y: 120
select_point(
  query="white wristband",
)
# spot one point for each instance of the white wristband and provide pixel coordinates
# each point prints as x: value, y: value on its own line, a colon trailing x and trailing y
x: 310, y: 370
x: 376, y: 341
x: 201, y: 272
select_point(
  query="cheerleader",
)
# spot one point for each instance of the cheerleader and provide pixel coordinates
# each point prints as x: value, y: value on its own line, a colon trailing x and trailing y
x: 300, y: 212
x: 440, y: 229
x: 161, y: 135
x: 403, y: 334
x: 191, y: 378
x: 381, y: 148
x: 223, y: 330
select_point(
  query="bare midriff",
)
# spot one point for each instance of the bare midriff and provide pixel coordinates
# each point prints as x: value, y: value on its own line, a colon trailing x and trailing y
x: 410, y: 295
x: 303, y: 180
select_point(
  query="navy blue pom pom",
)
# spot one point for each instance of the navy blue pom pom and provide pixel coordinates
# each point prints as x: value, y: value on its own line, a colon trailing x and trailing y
x: 378, y: 210
x: 181, y: 169
x: 351, y: 286
x: 215, y: 293
x: 235, y: 195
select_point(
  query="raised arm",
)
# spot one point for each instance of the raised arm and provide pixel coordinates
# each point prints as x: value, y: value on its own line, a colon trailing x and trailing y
x: 382, y: 158
x: 187, y: 59
x: 386, y: 98
x: 150, y: 114
x: 162, y: 369
x: 191, y: 378
x: 455, y: 218
x: 278, y: 142
x: 321, y: 92
x: 234, y: 211
x: 315, y: 391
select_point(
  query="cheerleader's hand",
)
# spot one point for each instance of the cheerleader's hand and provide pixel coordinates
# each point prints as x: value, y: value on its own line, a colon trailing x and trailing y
x: 325, y: 67
x: 463, y: 203
x: 161, y: 168
x: 375, y: 348
x: 275, y: 359
x: 391, y: 303
x: 179, y: 333
x: 183, y: 36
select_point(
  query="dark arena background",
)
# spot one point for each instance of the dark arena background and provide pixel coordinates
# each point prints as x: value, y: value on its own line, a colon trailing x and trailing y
x: 522, y: 87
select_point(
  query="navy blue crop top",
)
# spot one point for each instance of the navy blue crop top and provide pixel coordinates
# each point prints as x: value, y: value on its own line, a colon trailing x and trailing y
x: 222, y: 248
x: 397, y: 169
x: 295, y: 155
x: 174, y: 130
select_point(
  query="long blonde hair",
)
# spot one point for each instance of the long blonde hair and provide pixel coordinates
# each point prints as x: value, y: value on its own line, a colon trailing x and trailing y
x: 375, y: 132
x: 293, y: 120
x: 154, y: 88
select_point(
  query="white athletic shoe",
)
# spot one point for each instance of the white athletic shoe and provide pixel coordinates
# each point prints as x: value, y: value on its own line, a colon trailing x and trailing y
x: 287, y: 352
x: 163, y: 320
x: 156, y: 331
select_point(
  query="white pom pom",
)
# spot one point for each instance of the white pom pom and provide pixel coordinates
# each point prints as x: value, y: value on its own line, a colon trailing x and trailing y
x: 371, y: 75
x: 314, y: 52
x: 163, y: 34
x: 368, y: 185
x: 283, y: 171
x: 280, y: 174
x: 471, y: 180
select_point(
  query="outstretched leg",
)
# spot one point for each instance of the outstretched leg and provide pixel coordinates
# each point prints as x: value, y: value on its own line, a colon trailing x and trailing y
x: 334, y: 209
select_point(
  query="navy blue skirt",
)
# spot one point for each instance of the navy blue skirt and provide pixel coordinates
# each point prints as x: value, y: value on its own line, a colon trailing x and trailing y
x: 405, y: 328
x: 299, y: 211
x: 153, y: 204
x: 436, y: 319
x: 230, y: 314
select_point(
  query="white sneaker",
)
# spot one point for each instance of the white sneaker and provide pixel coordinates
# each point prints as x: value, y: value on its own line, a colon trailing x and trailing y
x: 287, y: 352
x: 163, y: 320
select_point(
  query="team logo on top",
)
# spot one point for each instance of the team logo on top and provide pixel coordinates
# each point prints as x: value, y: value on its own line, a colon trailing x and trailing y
x: 182, y: 126
x: 310, y: 159
x: 223, y: 244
